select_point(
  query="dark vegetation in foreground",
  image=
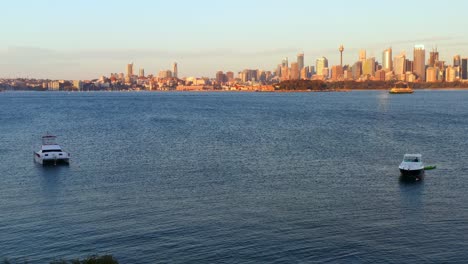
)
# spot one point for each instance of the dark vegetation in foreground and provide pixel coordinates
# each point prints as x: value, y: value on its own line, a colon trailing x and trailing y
x: 316, y: 85
x: 106, y: 259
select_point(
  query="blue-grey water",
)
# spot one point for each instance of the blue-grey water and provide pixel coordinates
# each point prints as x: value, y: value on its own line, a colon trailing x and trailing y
x: 235, y: 177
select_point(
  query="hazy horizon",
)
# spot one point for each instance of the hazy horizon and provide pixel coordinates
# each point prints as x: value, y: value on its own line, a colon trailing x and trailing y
x: 84, y: 40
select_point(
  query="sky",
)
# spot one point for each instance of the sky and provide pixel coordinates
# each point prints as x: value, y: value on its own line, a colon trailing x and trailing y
x: 86, y: 39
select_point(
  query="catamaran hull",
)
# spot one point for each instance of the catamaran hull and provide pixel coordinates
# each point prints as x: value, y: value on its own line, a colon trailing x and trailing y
x: 51, y: 161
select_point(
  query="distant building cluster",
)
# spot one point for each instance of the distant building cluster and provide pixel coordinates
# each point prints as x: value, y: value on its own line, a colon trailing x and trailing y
x: 398, y: 68
x: 391, y: 68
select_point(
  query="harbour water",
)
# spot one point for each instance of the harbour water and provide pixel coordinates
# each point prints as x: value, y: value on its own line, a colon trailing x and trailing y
x: 235, y: 177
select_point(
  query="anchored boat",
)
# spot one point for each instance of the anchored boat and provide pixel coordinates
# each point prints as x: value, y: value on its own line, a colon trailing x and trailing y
x: 51, y: 153
x: 412, y: 166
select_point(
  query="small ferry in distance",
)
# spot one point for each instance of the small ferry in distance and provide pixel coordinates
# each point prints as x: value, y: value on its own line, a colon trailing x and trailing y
x: 51, y: 153
x: 412, y: 167
x: 401, y: 88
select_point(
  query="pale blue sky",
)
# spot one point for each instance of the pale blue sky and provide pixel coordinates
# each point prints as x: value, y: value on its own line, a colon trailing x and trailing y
x: 85, y: 39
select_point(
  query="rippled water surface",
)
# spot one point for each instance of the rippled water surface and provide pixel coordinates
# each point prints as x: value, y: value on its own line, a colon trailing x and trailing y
x: 235, y: 178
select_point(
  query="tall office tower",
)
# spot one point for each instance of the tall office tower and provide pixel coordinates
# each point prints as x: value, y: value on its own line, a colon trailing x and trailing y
x: 130, y: 69
x: 368, y: 68
x: 341, y: 49
x: 305, y: 73
x: 321, y: 64
x: 142, y: 73
x: 337, y: 73
x: 450, y: 74
x: 409, y: 65
x: 220, y: 77
x: 362, y: 56
x: 285, y: 63
x: 312, y: 70
x: 230, y: 76
x: 431, y: 74
x: 295, y: 73
x: 357, y: 70
x: 420, y: 62
x: 433, y: 58
x: 175, y: 70
x: 268, y: 75
x: 399, y: 64
x: 387, y: 63
x: 278, y: 70
x: 464, y: 69
x: 284, y: 73
x: 456, y: 61
x: 300, y: 61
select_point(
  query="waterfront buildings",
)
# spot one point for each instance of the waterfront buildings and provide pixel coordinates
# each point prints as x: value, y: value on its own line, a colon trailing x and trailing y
x: 77, y: 84
x: 420, y: 62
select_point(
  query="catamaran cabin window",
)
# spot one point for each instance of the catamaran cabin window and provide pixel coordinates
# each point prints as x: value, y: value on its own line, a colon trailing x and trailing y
x: 51, y: 150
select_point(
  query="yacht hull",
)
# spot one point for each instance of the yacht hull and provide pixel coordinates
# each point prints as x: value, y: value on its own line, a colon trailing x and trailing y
x: 412, y: 174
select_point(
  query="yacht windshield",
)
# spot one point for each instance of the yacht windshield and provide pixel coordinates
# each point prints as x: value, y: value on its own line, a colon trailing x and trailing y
x: 412, y: 159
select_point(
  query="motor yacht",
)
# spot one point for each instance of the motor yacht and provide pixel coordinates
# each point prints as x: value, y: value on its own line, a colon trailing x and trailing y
x: 412, y: 166
x: 51, y: 153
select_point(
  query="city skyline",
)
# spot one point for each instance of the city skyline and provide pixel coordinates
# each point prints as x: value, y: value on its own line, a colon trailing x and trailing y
x: 58, y: 40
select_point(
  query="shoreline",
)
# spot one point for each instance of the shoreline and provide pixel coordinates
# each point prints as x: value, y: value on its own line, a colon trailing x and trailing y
x: 242, y: 91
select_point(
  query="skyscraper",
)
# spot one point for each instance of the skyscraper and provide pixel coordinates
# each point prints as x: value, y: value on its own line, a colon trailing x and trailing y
x: 368, y: 68
x: 464, y: 69
x: 387, y: 63
x: 456, y: 61
x: 300, y: 61
x: 362, y: 56
x: 220, y: 77
x: 433, y: 57
x: 399, y: 65
x: 142, y: 73
x: 230, y: 76
x: 420, y: 62
x: 175, y: 70
x: 295, y: 72
x: 431, y: 74
x: 321, y: 64
x: 130, y: 69
x: 357, y: 70
x: 337, y: 73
